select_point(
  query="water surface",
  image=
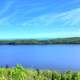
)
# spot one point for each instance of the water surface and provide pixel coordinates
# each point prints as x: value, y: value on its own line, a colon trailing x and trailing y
x: 60, y: 57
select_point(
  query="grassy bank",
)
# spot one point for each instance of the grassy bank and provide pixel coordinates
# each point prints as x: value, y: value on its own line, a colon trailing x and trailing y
x: 20, y: 73
x: 73, y: 40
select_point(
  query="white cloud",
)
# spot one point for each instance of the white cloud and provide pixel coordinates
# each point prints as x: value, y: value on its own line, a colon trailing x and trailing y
x: 69, y: 18
x: 66, y: 24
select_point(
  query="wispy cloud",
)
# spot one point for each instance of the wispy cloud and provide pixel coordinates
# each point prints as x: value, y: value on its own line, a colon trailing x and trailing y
x: 62, y: 19
x: 4, y: 19
x: 58, y: 25
x: 7, y: 6
x: 40, y: 19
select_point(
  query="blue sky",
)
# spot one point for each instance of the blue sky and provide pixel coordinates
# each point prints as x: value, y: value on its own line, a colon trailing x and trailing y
x: 39, y: 19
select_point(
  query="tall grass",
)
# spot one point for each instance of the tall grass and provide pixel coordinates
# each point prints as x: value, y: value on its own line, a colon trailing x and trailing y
x: 20, y: 73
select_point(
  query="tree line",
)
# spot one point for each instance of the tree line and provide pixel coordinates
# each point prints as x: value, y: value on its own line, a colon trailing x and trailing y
x: 73, y: 40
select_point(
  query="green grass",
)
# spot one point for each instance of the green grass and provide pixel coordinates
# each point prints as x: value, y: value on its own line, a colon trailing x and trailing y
x: 20, y: 73
x: 72, y: 40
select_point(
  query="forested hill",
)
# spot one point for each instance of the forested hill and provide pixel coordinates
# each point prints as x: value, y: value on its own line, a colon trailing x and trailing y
x: 72, y: 40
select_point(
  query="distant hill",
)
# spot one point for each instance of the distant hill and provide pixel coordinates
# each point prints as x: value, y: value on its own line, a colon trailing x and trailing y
x: 72, y: 40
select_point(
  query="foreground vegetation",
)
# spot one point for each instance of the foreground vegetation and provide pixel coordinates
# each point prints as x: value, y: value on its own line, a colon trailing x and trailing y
x: 20, y: 73
x: 73, y: 40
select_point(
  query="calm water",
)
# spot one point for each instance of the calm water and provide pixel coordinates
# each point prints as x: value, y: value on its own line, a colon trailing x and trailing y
x: 60, y: 57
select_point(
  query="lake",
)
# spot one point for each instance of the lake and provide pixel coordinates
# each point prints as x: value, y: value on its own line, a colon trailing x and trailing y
x: 59, y: 57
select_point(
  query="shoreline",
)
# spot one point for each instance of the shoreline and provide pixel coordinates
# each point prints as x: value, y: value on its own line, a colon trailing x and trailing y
x: 72, y: 40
